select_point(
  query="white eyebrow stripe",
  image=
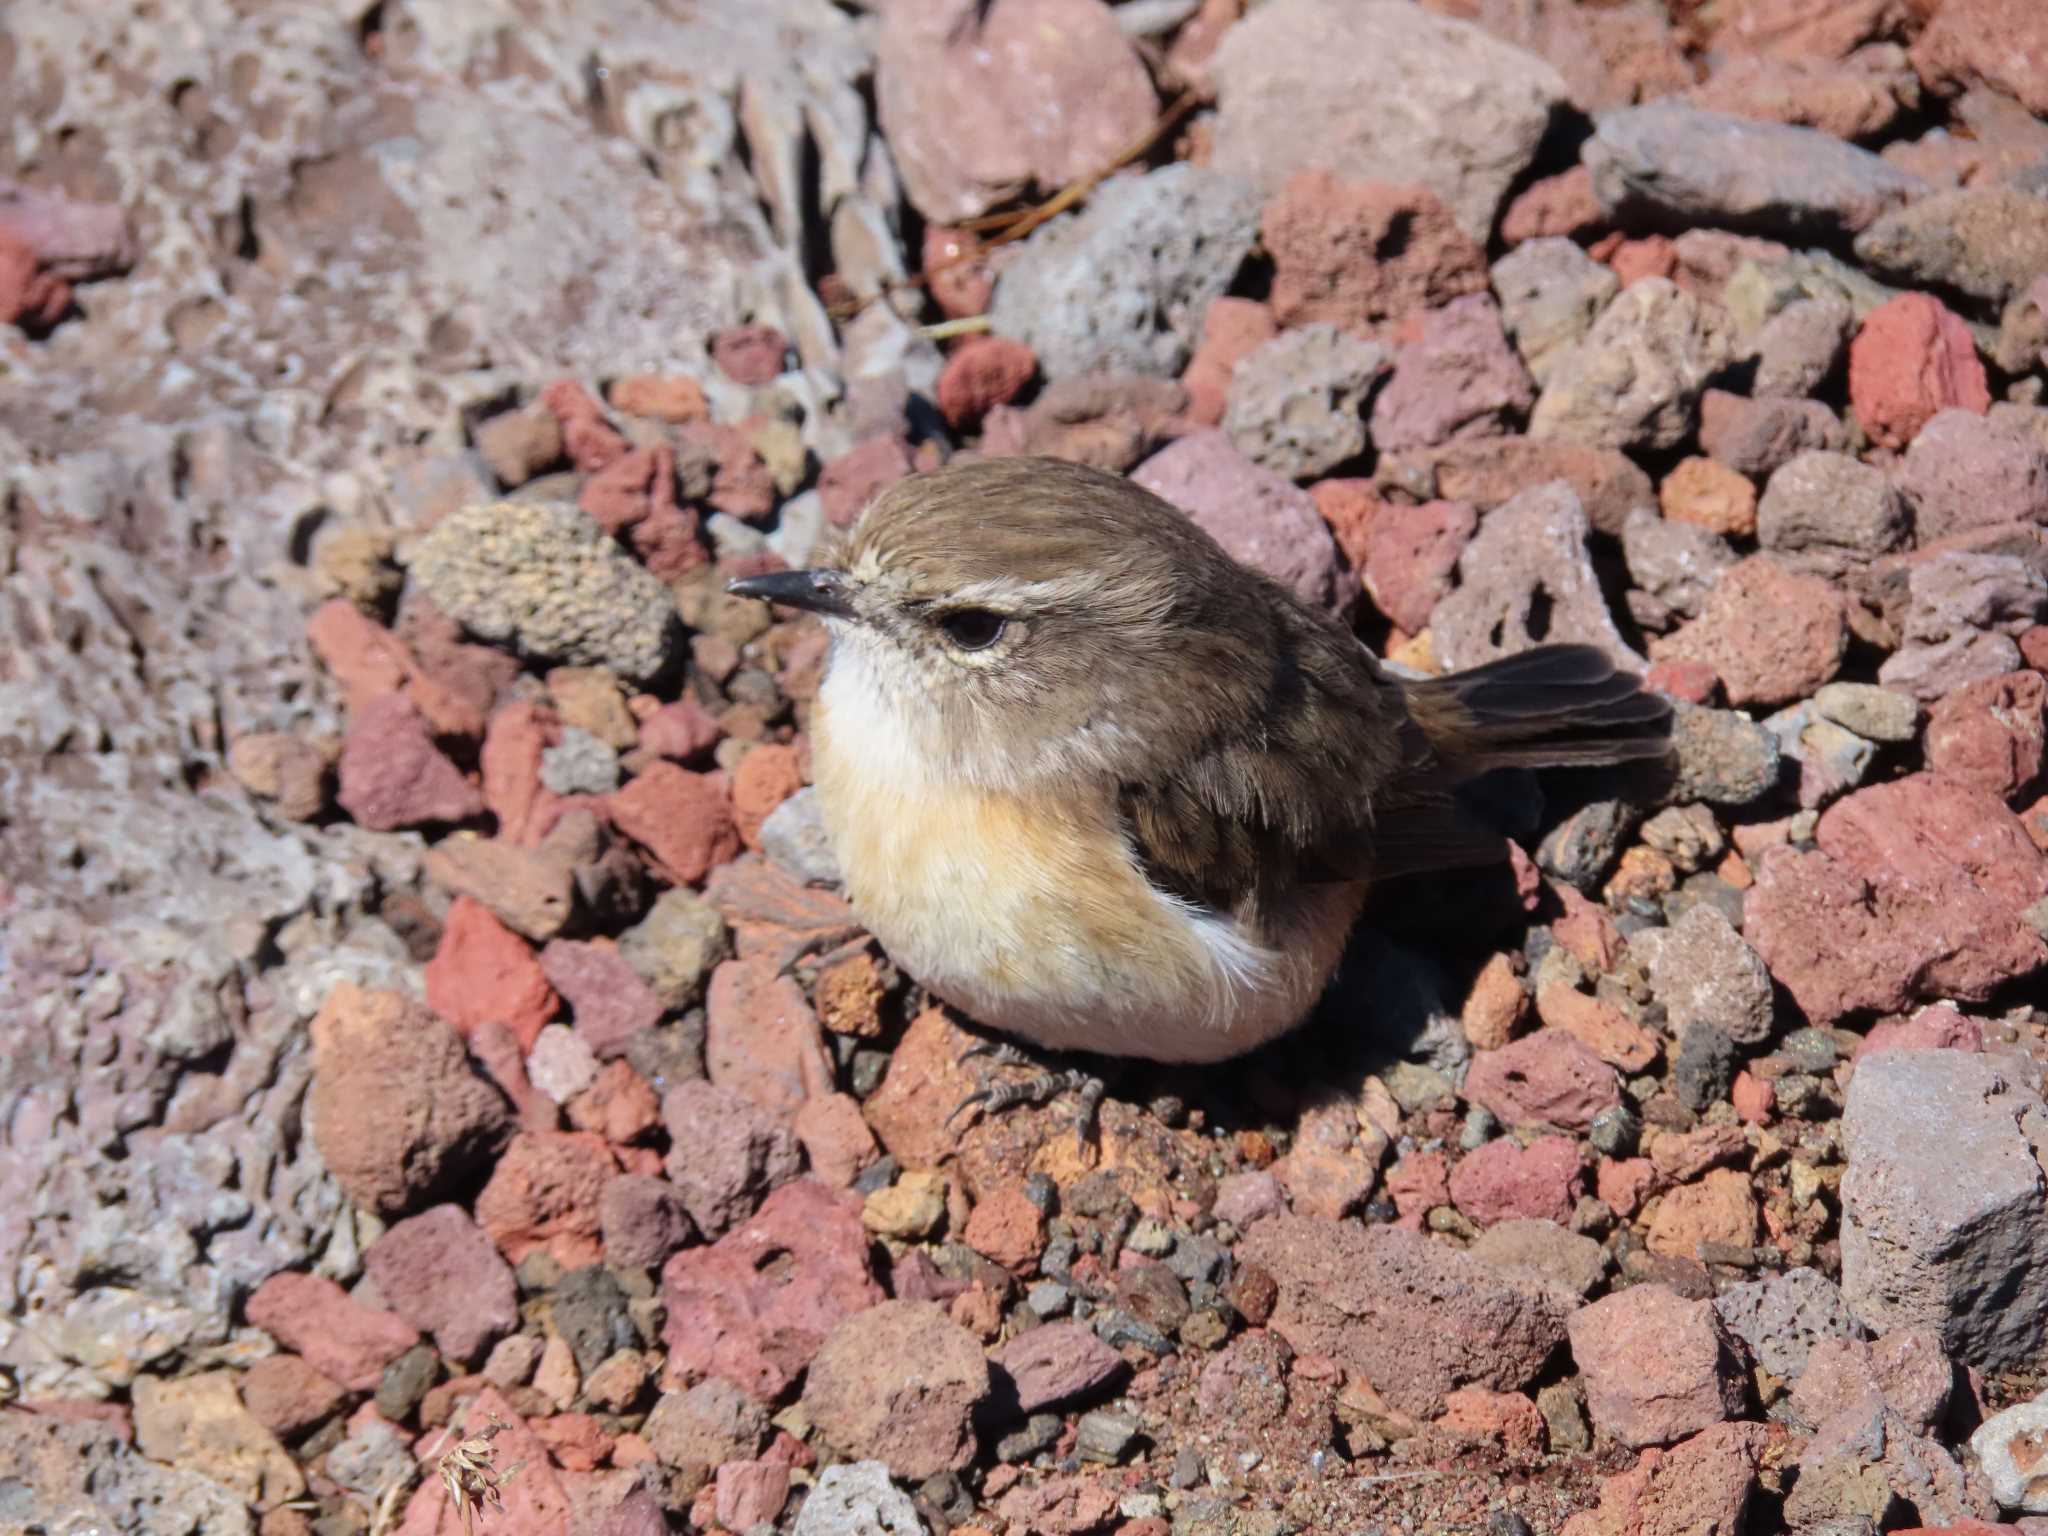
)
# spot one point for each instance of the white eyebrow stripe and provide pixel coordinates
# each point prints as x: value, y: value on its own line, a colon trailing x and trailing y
x: 1005, y: 591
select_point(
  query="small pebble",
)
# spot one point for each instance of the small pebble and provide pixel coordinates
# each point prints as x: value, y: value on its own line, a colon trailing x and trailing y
x: 1105, y: 1436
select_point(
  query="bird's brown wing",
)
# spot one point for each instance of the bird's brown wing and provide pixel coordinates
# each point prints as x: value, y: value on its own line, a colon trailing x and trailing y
x: 1281, y: 789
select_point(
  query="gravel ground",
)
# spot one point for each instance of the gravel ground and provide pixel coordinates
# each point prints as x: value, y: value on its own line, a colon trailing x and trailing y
x: 432, y: 1041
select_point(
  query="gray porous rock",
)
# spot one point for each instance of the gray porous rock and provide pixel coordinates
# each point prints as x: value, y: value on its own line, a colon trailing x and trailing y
x: 1123, y: 286
x: 545, y: 580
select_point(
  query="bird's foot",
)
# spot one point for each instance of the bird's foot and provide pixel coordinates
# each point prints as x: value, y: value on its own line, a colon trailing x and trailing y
x: 1046, y: 1083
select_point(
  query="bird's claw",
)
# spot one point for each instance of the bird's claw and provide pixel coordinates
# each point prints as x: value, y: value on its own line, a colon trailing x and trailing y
x: 1041, y: 1088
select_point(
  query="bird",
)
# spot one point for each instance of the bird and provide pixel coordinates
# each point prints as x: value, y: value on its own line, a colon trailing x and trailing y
x: 1106, y: 790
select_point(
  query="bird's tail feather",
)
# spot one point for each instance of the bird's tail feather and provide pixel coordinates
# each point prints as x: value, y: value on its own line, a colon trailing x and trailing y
x: 1554, y: 706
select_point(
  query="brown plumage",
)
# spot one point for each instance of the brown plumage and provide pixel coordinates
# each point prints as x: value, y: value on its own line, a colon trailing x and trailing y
x: 1065, y: 662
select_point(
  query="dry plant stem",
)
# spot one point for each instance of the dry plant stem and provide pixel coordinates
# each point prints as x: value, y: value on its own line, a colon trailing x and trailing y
x: 471, y: 1480
x: 1016, y: 225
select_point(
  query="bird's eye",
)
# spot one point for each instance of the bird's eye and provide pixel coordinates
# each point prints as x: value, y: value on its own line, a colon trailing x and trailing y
x: 973, y: 629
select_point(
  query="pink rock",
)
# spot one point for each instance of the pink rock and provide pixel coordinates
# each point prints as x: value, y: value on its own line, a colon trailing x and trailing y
x: 741, y: 483
x: 1243, y: 1198
x: 286, y: 1395
x: 756, y: 1306
x: 1033, y: 92
x: 1056, y: 1364
x: 1754, y: 1098
x: 1267, y: 522
x: 1417, y: 1185
x: 1358, y: 254
x: 856, y: 477
x: 625, y: 491
x: 1507, y: 1419
x: 1108, y: 421
x: 1007, y: 1227
x: 682, y: 730
x: 684, y: 820
x: 1231, y: 331
x: 983, y: 372
x: 1966, y: 471
x: 395, y: 1109
x: 899, y: 1383
x: 392, y: 775
x: 1718, y: 1210
x: 510, y: 761
x: 837, y: 1141
x: 1937, y: 1027
x: 1917, y: 888
x: 494, y: 1047
x: 761, y: 1038
x: 367, y: 659
x: 1999, y: 43
x: 1547, y: 1078
x: 1656, y: 1367
x: 1329, y: 1171
x: 1988, y: 734
x: 1245, y: 1386
x: 618, y: 1104
x: 1458, y: 377
x: 29, y: 297
x: 439, y: 1272
x: 336, y: 1334
x: 1704, y: 1485
x: 1411, y: 554
x: 725, y: 1152
x: 1625, y: 1183
x: 1488, y: 472
x: 590, y: 441
x: 545, y: 1194
x: 1757, y: 437
x: 1560, y: 205
x: 751, y: 1493
x: 1912, y: 358
x: 1692, y: 681
x: 765, y: 778
x: 750, y: 355
x: 667, y: 540
x: 1598, y: 1025
x: 671, y: 397
x: 608, y: 1002
x: 483, y: 971
x: 1416, y: 1318
x: 1061, y: 1506
x: 643, y: 1221
x: 1503, y: 1179
x: 1771, y: 634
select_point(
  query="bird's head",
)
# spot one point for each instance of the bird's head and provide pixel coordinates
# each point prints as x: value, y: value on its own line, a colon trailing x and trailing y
x: 1019, y: 617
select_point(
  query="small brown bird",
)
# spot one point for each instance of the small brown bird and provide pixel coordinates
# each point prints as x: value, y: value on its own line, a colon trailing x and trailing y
x: 1106, y: 790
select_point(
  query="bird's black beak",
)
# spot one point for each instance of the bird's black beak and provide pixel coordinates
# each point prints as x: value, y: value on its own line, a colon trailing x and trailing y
x: 813, y: 591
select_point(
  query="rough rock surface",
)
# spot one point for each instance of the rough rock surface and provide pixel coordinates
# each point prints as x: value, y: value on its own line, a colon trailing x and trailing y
x: 1922, y: 1248
x: 1415, y: 1319
x: 1123, y: 286
x: 1635, y: 380
x: 1524, y: 578
x: 899, y: 1383
x: 1035, y: 96
x: 1685, y: 163
x: 545, y: 580
x: 1385, y: 91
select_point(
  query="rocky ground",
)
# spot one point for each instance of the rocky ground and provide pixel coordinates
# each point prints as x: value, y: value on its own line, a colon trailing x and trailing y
x: 438, y: 1076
